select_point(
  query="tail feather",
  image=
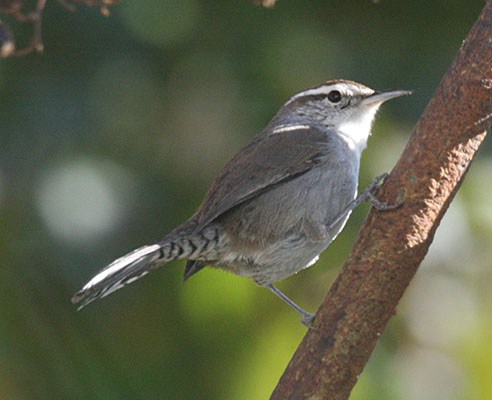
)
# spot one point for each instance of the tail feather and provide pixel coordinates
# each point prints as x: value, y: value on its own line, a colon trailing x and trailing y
x: 123, y: 271
x: 118, y: 274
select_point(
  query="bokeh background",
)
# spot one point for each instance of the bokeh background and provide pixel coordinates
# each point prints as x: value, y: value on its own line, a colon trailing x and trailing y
x: 112, y: 137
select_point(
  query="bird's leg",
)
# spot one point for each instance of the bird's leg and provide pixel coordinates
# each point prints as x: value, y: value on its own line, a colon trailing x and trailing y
x: 307, y: 317
x: 371, y: 198
x: 366, y: 195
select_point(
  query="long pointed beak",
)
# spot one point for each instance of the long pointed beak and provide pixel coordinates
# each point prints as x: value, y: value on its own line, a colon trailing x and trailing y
x: 381, y: 97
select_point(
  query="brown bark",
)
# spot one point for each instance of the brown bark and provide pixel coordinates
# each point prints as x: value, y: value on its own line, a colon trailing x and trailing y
x: 392, y: 244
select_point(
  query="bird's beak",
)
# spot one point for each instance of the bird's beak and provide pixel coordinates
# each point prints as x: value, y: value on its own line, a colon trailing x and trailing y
x: 381, y: 97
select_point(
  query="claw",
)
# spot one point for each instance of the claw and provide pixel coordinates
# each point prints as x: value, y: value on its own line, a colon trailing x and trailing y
x: 376, y: 183
x: 381, y: 205
x: 307, y: 320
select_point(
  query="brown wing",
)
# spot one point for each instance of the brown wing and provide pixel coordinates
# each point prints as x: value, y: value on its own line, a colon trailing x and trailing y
x: 264, y: 162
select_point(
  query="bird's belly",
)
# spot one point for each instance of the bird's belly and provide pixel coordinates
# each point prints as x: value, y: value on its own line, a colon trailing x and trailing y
x: 276, y: 261
x: 275, y: 239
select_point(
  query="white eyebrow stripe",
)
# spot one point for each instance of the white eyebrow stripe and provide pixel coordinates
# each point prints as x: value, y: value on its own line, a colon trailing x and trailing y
x: 312, y: 92
x: 288, y: 128
x: 325, y: 89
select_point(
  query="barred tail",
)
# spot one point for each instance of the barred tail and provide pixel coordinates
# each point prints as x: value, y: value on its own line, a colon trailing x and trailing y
x: 143, y: 260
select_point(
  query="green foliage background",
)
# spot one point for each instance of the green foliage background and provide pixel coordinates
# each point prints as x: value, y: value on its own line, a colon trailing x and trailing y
x: 111, y: 138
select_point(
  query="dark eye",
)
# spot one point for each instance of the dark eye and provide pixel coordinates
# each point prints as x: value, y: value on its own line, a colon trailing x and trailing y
x: 334, y: 96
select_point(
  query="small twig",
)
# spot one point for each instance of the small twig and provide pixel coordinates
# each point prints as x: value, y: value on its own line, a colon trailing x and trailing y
x: 36, y: 19
x: 264, y: 3
x: 102, y: 4
x: 67, y: 5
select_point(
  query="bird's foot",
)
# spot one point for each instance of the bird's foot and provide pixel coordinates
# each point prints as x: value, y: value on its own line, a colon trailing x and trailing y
x: 307, y: 320
x: 370, y: 196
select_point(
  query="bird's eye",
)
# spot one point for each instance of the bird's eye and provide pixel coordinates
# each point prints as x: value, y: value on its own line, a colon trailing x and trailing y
x: 334, y: 96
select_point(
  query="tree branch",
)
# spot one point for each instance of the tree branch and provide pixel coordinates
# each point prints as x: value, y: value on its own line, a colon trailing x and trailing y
x: 392, y: 244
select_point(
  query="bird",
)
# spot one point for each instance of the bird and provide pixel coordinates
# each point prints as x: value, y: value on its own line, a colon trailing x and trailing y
x: 278, y: 203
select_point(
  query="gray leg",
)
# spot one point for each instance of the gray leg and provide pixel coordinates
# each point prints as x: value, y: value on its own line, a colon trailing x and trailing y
x: 366, y: 195
x: 307, y: 317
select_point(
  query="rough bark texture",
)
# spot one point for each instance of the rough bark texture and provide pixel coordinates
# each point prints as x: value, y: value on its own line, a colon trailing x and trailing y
x: 392, y: 244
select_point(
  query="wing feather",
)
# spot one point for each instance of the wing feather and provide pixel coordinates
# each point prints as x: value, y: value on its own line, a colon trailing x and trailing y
x: 266, y: 161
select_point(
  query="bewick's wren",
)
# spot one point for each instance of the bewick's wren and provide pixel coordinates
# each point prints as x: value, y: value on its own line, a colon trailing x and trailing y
x: 278, y: 203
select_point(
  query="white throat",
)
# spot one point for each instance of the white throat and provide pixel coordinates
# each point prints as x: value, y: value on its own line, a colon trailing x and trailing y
x: 357, y: 129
